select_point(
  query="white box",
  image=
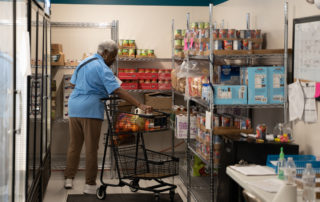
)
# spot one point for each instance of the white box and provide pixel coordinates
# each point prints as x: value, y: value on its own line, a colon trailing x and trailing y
x: 182, y: 126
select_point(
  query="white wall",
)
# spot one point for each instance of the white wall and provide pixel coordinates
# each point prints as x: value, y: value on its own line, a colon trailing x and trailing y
x: 150, y: 26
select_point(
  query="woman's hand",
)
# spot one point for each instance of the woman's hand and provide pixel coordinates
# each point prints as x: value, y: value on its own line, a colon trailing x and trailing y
x: 145, y: 108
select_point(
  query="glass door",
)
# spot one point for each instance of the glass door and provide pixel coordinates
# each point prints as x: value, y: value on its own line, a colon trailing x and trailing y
x: 48, y: 58
x: 34, y: 107
x: 6, y: 99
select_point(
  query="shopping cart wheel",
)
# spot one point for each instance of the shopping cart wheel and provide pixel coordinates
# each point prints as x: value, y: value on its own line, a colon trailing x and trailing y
x: 101, y: 192
x: 133, y: 184
x: 156, y: 197
x: 171, y: 194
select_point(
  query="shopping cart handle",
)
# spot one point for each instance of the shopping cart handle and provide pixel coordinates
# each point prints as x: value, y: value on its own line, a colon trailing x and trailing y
x: 164, y: 113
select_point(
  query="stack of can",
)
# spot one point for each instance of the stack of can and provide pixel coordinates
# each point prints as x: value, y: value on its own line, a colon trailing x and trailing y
x: 231, y: 39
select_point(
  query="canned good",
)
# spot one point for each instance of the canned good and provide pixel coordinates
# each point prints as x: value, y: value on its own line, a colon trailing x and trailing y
x: 177, y: 52
x: 201, y: 25
x: 242, y: 34
x: 216, y: 119
x: 231, y: 33
x: 237, y: 123
x: 206, y: 33
x: 183, y: 33
x: 218, y: 45
x: 150, y: 52
x: 206, y: 25
x: 178, y: 33
x: 119, y: 51
x: 236, y: 44
x: 178, y: 42
x: 227, y: 44
x: 261, y: 131
x: 226, y: 121
x: 258, y: 33
x: 121, y: 42
x: 131, y: 43
x: 125, y: 52
x: 223, y: 33
x: 246, y: 44
x: 256, y: 45
x: 125, y: 43
x: 215, y: 33
x: 194, y: 25
x: 202, y: 33
x: 139, y: 52
x: 248, y: 34
x: 132, y: 52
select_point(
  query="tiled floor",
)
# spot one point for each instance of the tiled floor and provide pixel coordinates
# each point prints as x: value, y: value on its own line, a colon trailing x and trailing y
x: 56, y: 192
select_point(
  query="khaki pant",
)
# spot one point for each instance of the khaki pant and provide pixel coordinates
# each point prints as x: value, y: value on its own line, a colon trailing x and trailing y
x: 88, y: 131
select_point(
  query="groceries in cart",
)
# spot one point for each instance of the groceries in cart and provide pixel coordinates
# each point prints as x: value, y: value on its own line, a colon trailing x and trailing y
x: 135, y: 122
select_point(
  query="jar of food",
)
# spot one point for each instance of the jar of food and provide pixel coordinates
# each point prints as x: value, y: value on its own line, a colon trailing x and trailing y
x: 125, y: 43
x: 177, y: 33
x: 119, y: 52
x: 166, y: 81
x: 154, y: 71
x: 131, y: 70
x: 126, y: 70
x: 144, y: 52
x: 121, y: 42
x: 141, y: 81
x: 139, y: 52
x: 140, y: 70
x: 147, y: 81
x: 131, y: 43
x: 154, y: 81
x: 147, y: 71
x: 161, y: 81
x: 125, y: 52
x: 131, y: 52
x: 161, y: 71
x: 150, y: 52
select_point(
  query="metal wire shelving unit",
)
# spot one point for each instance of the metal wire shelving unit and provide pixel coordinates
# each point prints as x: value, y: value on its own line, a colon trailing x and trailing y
x: 208, y: 186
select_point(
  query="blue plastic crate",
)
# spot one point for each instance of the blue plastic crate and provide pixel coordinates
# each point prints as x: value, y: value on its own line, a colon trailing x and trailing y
x: 299, y: 160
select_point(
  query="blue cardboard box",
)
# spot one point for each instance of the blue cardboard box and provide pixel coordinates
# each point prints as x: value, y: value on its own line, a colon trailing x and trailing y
x: 229, y: 75
x: 229, y: 95
x: 257, y: 85
x: 275, y: 85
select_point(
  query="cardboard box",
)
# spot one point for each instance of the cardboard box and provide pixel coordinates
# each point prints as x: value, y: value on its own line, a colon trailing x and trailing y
x: 230, y: 75
x: 130, y: 86
x: 148, y: 86
x: 182, y: 126
x: 57, y: 60
x: 148, y: 75
x: 128, y: 76
x: 159, y: 101
x: 56, y: 49
x: 229, y: 95
x: 275, y: 85
x: 164, y: 86
x: 257, y: 85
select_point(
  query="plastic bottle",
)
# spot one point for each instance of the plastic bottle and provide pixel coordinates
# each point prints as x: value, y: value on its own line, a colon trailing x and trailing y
x: 281, y: 165
x: 290, y: 172
x: 309, y: 181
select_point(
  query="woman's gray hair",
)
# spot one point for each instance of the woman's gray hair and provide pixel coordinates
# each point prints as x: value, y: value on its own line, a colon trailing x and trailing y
x: 107, y: 46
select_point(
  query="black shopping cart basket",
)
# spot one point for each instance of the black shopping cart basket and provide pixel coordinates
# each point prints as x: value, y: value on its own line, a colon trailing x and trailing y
x: 134, y: 162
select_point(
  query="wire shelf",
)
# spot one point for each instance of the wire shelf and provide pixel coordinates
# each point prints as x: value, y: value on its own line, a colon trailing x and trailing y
x: 127, y: 59
x: 81, y: 25
x: 149, y: 91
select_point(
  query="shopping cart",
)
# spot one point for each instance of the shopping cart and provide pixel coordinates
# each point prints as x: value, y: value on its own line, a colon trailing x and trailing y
x: 134, y: 162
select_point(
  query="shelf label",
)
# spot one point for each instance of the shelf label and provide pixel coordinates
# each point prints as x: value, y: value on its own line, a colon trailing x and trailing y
x: 208, y: 120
